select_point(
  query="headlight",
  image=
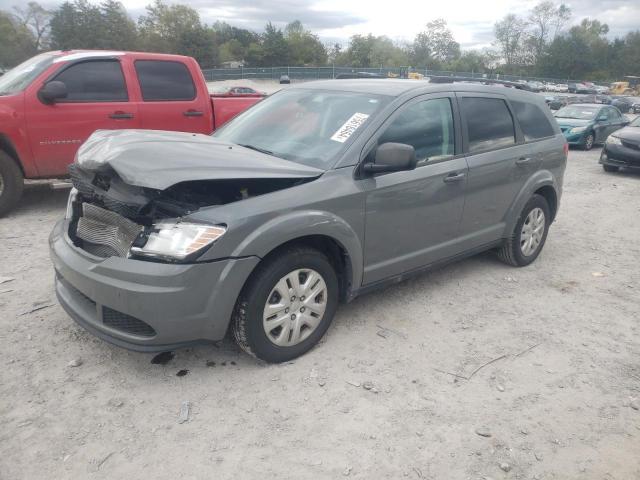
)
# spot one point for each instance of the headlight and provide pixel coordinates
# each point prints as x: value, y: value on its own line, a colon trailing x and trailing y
x: 178, y: 240
x: 611, y: 140
x: 72, y: 198
x: 578, y: 129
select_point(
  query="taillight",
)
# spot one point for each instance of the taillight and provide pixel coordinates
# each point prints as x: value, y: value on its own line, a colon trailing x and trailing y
x: 566, y: 149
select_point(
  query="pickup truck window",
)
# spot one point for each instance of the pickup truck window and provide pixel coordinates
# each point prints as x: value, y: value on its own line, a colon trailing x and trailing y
x: 162, y: 80
x: 427, y: 126
x: 305, y: 126
x: 94, y: 81
x: 20, y: 77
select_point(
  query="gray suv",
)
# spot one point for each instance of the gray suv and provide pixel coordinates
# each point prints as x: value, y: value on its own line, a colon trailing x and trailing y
x: 316, y: 195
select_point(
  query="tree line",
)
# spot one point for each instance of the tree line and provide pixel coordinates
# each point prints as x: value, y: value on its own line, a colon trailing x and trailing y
x: 541, y: 43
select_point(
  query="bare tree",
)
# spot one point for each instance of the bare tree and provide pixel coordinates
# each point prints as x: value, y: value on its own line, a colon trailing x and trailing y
x: 36, y: 18
x: 510, y: 34
x: 546, y: 18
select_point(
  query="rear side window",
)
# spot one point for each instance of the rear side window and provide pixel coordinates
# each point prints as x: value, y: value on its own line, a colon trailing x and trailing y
x: 94, y: 81
x: 489, y: 123
x: 427, y: 126
x: 532, y: 120
x: 164, y: 81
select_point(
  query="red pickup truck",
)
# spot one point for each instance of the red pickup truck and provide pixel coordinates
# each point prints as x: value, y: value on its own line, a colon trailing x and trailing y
x: 50, y: 104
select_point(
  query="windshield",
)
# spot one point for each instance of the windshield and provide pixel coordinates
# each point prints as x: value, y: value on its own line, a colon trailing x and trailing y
x: 635, y: 123
x: 305, y: 126
x: 18, y: 78
x: 579, y: 112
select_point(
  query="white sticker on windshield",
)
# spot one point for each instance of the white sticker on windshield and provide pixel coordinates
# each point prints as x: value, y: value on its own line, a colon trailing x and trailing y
x: 350, y: 126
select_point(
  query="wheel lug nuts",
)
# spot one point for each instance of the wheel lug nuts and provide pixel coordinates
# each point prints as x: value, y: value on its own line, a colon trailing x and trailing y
x: 302, y: 310
x: 293, y: 299
x: 302, y: 298
x: 293, y: 317
x: 286, y: 310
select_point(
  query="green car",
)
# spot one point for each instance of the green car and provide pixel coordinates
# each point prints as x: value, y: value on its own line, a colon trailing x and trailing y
x: 585, y: 124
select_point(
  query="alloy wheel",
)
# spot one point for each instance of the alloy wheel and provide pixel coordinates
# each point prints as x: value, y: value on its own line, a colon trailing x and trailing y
x: 295, y: 307
x: 532, y: 232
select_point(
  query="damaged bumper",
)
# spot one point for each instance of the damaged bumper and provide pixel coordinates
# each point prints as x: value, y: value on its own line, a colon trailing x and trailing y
x: 146, y: 306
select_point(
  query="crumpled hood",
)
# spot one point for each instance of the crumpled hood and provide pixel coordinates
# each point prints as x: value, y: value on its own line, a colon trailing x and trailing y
x: 159, y: 159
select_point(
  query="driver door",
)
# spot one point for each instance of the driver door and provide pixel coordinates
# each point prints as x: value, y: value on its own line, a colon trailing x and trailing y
x: 413, y: 217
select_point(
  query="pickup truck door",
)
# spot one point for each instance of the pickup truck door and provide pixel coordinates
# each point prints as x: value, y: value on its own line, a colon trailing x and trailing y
x: 173, y: 96
x: 413, y: 217
x: 97, y: 99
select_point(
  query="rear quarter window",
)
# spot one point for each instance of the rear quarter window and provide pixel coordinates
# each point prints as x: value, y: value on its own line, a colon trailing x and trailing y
x: 489, y: 123
x: 533, y: 122
x: 162, y: 80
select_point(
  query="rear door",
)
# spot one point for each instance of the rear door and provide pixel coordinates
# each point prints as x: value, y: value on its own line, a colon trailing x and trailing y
x: 171, y: 98
x: 499, y: 164
x: 98, y: 98
x: 413, y: 217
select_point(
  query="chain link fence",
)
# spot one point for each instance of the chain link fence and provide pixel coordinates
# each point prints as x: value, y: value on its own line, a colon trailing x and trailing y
x: 321, y: 73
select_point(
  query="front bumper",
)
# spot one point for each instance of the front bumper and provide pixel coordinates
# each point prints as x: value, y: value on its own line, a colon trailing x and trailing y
x: 574, y: 138
x: 146, y: 306
x: 620, y: 156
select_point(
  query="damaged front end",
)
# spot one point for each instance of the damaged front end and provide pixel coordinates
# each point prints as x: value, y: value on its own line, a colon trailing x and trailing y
x: 108, y: 217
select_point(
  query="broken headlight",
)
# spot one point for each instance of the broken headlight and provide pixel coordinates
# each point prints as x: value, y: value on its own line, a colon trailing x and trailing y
x: 73, y: 194
x: 178, y: 241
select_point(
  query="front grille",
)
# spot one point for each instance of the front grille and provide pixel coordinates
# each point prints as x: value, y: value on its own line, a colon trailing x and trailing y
x: 126, y: 323
x: 105, y: 233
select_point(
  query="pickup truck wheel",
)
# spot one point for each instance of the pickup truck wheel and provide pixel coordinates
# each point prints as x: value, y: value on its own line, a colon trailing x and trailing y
x: 529, y: 235
x: 11, y: 183
x: 287, y: 305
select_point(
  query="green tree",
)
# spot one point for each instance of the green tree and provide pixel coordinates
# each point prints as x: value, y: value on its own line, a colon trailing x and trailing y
x: 510, y: 34
x: 546, y: 19
x: 305, y: 48
x: 17, y: 43
x: 435, y: 46
x: 76, y: 25
x: 275, y: 49
x: 118, y: 30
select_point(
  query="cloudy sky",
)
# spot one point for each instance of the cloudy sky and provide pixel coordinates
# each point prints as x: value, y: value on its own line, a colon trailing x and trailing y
x: 471, y: 20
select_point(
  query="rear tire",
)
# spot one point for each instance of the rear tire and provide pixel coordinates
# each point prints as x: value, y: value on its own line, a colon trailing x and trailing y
x: 517, y: 251
x: 298, y: 325
x: 610, y: 168
x: 11, y: 183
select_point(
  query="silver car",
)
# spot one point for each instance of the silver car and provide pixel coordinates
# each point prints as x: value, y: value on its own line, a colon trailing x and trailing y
x: 315, y: 195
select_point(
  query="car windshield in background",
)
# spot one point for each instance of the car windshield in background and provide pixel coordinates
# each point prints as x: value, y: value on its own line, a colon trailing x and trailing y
x: 578, y: 112
x: 305, y: 126
x: 19, y: 78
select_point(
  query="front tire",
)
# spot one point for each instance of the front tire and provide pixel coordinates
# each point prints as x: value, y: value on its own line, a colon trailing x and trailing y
x: 610, y: 168
x: 287, y: 305
x: 11, y: 183
x: 589, y: 141
x: 529, y: 235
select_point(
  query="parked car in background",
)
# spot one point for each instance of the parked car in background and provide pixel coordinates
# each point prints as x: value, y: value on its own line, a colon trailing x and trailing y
x: 587, y: 88
x: 237, y: 92
x: 50, y: 104
x: 172, y: 239
x: 572, y: 87
x: 556, y: 102
x: 635, y: 107
x: 623, y: 103
x: 601, y: 89
x: 622, y: 149
x: 584, y: 125
x: 535, y: 86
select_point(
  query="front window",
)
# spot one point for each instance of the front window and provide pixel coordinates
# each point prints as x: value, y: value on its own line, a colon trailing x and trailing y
x: 20, y: 77
x: 305, y: 126
x: 577, y: 112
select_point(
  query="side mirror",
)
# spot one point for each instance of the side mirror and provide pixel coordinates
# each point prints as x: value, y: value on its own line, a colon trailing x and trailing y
x: 52, y: 91
x: 392, y: 157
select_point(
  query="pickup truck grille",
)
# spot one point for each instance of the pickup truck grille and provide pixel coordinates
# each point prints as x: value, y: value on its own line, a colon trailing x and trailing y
x: 105, y: 233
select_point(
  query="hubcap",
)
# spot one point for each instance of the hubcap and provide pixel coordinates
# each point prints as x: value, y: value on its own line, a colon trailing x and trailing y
x: 295, y: 307
x: 589, y: 141
x: 532, y: 232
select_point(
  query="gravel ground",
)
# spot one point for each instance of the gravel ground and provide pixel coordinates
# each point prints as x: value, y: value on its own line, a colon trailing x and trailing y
x: 543, y: 370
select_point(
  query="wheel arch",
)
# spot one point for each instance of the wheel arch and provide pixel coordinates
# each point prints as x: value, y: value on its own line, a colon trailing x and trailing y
x: 6, y: 146
x: 542, y: 183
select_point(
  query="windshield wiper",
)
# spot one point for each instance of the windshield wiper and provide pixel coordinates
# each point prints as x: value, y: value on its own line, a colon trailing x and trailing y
x: 258, y: 149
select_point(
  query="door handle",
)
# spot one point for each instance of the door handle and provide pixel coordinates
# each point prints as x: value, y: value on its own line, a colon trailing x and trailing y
x: 454, y: 177
x: 523, y: 160
x: 121, y: 115
x: 192, y: 113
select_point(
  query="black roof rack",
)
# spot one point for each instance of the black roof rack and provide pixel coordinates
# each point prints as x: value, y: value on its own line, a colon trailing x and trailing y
x: 446, y: 79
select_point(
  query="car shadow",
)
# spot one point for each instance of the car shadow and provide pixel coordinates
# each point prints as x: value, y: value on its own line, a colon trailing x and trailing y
x: 42, y: 198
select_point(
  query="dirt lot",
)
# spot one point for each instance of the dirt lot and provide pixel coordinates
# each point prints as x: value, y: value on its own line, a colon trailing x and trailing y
x: 560, y: 401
